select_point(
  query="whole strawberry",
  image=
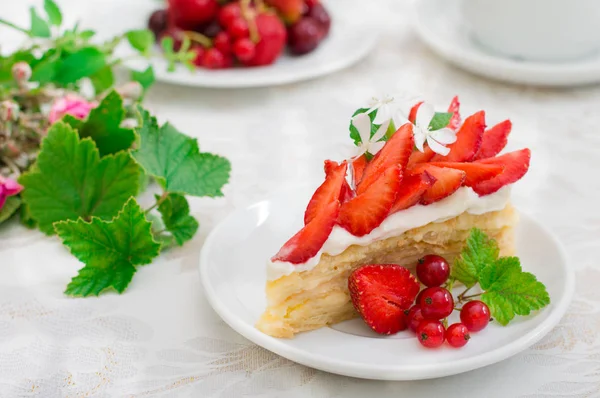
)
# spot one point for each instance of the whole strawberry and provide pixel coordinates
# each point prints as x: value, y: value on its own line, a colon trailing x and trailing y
x: 272, y: 38
x: 380, y: 293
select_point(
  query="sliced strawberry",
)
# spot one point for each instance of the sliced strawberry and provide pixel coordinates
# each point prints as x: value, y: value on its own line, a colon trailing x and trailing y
x: 455, y: 109
x: 468, y: 140
x: 420, y: 157
x: 395, y: 152
x: 347, y: 193
x: 411, y: 190
x: 381, y: 293
x: 447, y: 182
x: 330, y: 191
x: 367, y: 210
x: 515, y: 165
x: 494, y: 140
x: 358, y: 169
x: 310, y: 239
x: 412, y: 115
x: 476, y: 172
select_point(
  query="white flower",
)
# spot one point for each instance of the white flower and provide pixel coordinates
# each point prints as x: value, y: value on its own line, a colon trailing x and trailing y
x: 362, y: 122
x: 395, y: 108
x: 435, y: 139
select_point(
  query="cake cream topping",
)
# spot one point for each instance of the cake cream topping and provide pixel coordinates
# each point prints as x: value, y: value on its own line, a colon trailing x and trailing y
x: 463, y: 200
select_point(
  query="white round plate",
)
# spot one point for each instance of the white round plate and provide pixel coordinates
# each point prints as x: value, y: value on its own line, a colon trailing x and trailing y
x: 233, y: 273
x: 440, y: 25
x: 350, y: 39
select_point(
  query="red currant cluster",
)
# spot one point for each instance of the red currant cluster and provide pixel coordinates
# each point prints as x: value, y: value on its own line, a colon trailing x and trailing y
x: 427, y: 318
x: 243, y: 32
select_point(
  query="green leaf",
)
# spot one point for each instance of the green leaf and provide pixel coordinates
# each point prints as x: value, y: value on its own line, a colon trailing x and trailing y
x: 87, y: 34
x: 103, y: 79
x: 354, y: 132
x: 71, y: 181
x: 167, y: 44
x: 479, y: 252
x: 103, y: 125
x: 39, y: 27
x: 145, y: 78
x: 25, y: 217
x: 110, y: 250
x: 9, y: 208
x: 440, y: 120
x: 44, y: 70
x: 142, y: 40
x: 82, y: 63
x: 54, y: 14
x: 509, y: 291
x: 7, y: 62
x: 175, y: 212
x: 176, y: 161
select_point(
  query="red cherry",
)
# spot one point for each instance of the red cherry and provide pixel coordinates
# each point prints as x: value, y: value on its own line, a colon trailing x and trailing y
x: 475, y: 315
x: 436, y: 303
x: 214, y: 59
x: 222, y: 42
x: 239, y: 28
x: 229, y: 13
x: 414, y: 317
x: 244, y: 49
x: 457, y: 335
x: 431, y: 333
x: 304, y: 36
x: 187, y: 14
x: 433, y: 270
x: 158, y: 22
x: 199, y: 60
x: 321, y: 16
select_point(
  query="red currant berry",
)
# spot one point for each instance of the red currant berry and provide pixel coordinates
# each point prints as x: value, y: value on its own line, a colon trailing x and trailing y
x: 244, y: 49
x: 475, y: 315
x: 229, y: 13
x: 239, y: 28
x: 431, y: 333
x: 414, y: 317
x: 433, y: 270
x: 436, y: 303
x: 311, y: 3
x: 457, y: 335
x: 222, y: 42
x: 199, y: 51
x: 213, y: 59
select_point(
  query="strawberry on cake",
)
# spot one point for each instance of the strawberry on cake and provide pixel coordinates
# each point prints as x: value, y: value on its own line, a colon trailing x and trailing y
x: 409, y: 192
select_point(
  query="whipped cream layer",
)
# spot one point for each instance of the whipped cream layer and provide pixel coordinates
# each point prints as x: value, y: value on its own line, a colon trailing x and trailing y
x: 463, y: 200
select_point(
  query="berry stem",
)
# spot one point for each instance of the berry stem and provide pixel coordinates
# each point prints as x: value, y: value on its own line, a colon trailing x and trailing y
x: 249, y: 16
x: 471, y: 296
x: 462, y: 295
x: 199, y: 38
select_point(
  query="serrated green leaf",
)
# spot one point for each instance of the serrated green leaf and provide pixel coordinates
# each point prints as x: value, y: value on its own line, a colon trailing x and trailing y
x: 110, y: 250
x: 440, y: 120
x: 175, y: 212
x: 84, y: 62
x: 478, y: 252
x: 103, y: 79
x: 71, y: 181
x: 103, y: 125
x: 145, y: 78
x: 53, y: 12
x: 509, y: 291
x: 39, y: 27
x: 26, y: 218
x: 142, y: 40
x: 9, y: 208
x: 175, y: 160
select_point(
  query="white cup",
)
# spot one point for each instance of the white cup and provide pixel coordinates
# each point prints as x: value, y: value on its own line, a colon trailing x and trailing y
x: 536, y: 30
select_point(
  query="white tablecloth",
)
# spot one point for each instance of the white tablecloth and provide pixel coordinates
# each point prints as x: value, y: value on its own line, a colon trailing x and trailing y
x: 162, y: 339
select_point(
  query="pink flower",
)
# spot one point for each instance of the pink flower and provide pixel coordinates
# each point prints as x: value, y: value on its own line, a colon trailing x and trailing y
x: 8, y: 188
x: 70, y: 105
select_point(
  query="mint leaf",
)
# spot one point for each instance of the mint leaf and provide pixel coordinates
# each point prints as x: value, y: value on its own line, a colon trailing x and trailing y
x: 81, y: 63
x: 509, y: 291
x: 10, y: 207
x: 145, y: 78
x: 39, y: 27
x: 53, y: 12
x: 71, y: 181
x: 142, y: 40
x: 354, y: 132
x: 440, y: 120
x: 175, y: 160
x: 175, y: 212
x: 103, y: 125
x: 110, y: 250
x: 479, y: 252
x: 103, y: 79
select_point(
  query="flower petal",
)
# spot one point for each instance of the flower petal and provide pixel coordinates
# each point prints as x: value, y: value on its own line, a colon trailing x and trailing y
x: 363, y: 125
x: 384, y: 114
x: 419, y: 138
x: 444, y: 136
x: 380, y: 132
x: 375, y: 147
x: 424, y: 115
x: 437, y: 147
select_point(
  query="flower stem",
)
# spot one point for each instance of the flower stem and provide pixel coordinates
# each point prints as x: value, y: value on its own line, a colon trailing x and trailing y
x: 158, y: 202
x: 12, y: 25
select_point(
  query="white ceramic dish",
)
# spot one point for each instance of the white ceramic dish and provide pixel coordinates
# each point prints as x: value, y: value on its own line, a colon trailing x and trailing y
x: 349, y: 40
x: 440, y: 25
x: 233, y: 273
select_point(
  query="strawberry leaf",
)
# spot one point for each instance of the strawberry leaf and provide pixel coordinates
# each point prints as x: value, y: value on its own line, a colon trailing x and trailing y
x: 175, y: 160
x: 110, y: 250
x: 479, y: 252
x: 175, y: 212
x: 70, y: 180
